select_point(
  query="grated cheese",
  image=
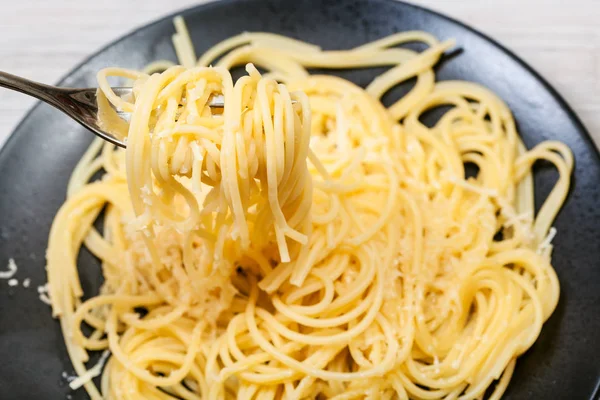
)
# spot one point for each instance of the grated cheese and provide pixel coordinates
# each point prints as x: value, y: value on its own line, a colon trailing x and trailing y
x: 12, y: 270
x: 43, y: 294
x: 547, y: 242
x: 90, y: 373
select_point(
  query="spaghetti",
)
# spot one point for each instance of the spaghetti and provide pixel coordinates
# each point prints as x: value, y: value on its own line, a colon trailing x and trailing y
x: 307, y: 242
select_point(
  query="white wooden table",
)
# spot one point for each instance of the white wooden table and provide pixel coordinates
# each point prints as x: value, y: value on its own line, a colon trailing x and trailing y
x: 43, y: 39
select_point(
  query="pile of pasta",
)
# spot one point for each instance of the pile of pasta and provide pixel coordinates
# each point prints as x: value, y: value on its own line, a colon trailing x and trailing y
x: 304, y: 241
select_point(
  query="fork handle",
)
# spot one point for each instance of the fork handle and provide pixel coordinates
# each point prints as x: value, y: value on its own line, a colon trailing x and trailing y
x: 48, y: 94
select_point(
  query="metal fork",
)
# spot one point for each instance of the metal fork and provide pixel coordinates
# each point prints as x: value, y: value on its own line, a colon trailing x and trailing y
x: 79, y: 104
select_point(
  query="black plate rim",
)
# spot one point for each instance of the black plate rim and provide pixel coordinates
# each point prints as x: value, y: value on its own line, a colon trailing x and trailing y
x: 575, y: 119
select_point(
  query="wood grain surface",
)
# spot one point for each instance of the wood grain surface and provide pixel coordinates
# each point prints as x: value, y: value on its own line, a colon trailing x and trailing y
x: 44, y: 39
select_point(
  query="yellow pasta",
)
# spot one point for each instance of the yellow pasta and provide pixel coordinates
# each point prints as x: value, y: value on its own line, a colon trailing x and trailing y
x: 306, y: 241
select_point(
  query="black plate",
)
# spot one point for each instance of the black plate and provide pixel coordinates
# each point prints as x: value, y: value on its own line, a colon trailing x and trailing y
x: 37, y: 160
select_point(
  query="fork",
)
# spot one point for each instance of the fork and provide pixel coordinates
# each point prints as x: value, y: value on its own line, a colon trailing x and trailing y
x: 79, y: 104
